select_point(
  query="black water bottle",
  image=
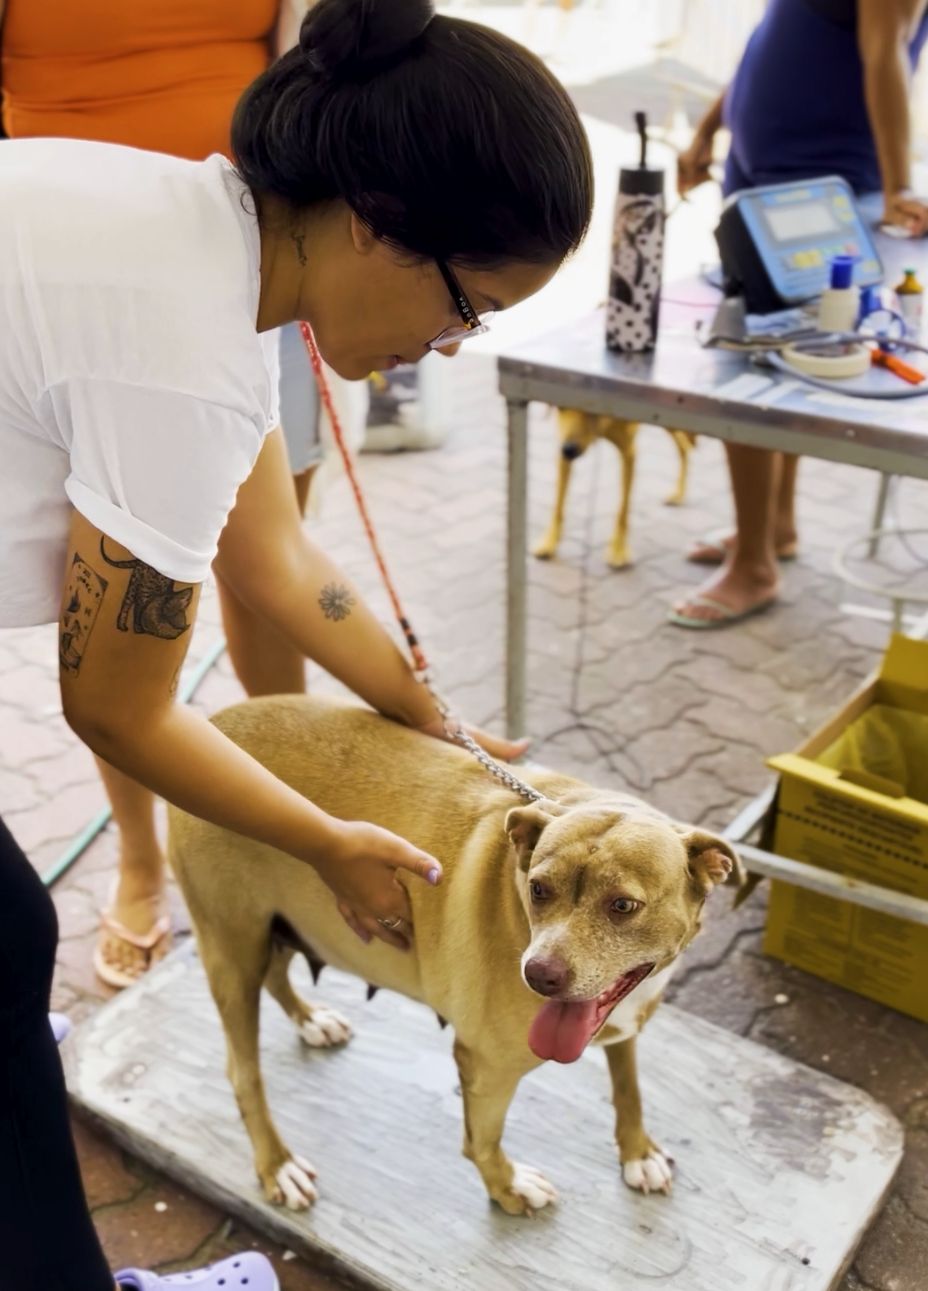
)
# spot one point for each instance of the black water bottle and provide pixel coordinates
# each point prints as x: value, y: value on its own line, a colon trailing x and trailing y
x: 637, y: 255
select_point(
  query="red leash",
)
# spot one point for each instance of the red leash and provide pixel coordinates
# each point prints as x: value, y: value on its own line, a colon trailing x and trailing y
x: 453, y: 727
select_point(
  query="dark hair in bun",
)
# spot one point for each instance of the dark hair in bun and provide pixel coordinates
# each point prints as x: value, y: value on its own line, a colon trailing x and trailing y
x: 345, y: 41
x: 448, y: 139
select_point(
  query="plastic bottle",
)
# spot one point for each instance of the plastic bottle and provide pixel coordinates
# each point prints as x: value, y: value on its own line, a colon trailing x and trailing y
x: 840, y: 302
x: 911, y: 299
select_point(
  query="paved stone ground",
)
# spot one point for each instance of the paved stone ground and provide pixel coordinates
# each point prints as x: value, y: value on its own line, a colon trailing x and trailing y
x: 617, y: 695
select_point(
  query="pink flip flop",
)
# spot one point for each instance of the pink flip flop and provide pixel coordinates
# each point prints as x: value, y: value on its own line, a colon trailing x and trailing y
x: 154, y: 944
x: 247, y: 1272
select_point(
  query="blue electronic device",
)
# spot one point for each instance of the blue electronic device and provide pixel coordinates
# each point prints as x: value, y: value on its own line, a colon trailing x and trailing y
x: 777, y: 242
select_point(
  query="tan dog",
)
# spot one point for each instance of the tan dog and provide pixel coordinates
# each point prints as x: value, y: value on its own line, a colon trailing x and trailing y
x: 578, y: 430
x: 556, y: 923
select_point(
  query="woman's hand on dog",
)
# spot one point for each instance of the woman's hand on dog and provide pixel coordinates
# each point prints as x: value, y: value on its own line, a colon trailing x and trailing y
x: 361, y: 870
x: 502, y: 749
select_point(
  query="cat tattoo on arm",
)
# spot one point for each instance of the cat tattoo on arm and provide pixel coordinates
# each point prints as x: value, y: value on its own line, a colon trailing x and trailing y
x: 156, y: 606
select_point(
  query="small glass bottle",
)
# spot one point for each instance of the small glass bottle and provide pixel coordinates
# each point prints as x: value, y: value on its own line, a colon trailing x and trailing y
x: 911, y: 299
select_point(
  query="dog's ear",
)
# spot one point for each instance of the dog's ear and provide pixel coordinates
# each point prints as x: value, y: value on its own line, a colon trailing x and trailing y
x: 524, y: 826
x: 712, y: 860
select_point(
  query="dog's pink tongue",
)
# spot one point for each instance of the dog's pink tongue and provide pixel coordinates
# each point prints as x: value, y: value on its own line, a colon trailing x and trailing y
x: 562, y: 1031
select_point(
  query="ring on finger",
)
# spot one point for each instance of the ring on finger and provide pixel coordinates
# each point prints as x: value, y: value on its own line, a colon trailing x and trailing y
x: 392, y: 925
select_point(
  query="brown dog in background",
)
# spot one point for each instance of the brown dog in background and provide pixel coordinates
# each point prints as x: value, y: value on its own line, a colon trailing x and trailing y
x: 557, y: 924
x: 578, y: 430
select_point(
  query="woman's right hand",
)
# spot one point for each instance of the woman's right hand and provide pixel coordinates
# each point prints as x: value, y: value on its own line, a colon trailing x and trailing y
x: 693, y: 164
x: 361, y: 869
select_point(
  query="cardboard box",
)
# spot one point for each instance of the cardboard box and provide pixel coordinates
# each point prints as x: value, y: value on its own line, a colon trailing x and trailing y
x: 838, y: 810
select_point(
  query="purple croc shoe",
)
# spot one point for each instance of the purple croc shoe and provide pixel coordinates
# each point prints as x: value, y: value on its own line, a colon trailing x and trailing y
x: 247, y: 1272
x: 60, y: 1025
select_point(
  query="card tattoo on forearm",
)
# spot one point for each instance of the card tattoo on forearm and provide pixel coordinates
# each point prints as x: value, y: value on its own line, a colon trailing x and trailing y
x: 335, y: 601
x: 82, y: 600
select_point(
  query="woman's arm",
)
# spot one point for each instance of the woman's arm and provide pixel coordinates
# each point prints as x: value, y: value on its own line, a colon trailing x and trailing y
x: 267, y: 559
x: 124, y: 635
x: 694, y: 162
x: 884, y: 30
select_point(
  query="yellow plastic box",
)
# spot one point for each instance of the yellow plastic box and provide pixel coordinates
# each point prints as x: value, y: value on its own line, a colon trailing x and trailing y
x: 854, y: 799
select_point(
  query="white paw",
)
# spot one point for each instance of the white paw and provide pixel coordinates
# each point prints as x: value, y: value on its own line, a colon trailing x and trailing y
x: 652, y: 1173
x: 294, y: 1180
x: 532, y: 1187
x: 325, y: 1028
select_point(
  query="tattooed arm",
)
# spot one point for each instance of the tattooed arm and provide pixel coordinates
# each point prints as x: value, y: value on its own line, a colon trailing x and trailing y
x: 267, y: 559
x: 270, y: 563
x: 124, y: 634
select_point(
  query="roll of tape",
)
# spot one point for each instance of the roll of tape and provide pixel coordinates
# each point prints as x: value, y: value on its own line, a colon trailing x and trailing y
x: 830, y: 360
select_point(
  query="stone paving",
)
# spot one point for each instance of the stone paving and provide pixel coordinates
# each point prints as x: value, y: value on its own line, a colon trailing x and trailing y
x: 616, y: 695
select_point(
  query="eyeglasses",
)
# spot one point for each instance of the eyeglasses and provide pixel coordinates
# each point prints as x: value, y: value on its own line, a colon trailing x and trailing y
x: 472, y: 323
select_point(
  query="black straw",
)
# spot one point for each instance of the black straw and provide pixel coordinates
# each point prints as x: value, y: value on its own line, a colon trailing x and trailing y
x: 641, y: 122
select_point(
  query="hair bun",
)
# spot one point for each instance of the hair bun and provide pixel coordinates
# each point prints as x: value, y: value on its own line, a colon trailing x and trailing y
x: 347, y: 38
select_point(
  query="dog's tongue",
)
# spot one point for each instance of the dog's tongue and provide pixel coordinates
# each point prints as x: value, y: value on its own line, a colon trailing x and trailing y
x: 562, y: 1031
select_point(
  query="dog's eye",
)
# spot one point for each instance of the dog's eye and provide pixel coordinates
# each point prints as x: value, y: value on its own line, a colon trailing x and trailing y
x: 625, y: 905
x: 538, y: 890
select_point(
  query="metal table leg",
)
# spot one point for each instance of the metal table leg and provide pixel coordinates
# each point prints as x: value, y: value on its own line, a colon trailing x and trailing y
x: 517, y: 554
x: 879, y: 512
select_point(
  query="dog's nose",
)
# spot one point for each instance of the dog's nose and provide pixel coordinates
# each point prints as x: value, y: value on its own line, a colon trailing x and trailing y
x: 570, y: 452
x: 547, y: 976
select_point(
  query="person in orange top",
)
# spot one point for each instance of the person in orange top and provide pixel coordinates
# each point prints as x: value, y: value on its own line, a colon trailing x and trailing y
x: 164, y: 77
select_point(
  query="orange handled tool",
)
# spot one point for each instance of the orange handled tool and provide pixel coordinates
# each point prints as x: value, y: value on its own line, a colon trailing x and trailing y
x: 906, y: 371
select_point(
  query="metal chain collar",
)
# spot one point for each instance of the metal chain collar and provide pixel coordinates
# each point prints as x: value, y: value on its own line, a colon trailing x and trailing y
x: 456, y: 732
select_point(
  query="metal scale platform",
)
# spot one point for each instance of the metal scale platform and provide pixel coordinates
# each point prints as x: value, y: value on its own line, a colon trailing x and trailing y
x: 780, y: 1169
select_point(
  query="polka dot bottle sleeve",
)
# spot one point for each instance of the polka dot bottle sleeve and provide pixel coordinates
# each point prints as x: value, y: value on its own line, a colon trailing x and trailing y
x: 637, y: 261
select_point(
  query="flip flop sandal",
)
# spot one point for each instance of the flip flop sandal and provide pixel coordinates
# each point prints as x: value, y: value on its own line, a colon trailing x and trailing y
x: 60, y: 1025
x: 153, y: 944
x: 716, y: 541
x: 725, y: 616
x: 247, y: 1272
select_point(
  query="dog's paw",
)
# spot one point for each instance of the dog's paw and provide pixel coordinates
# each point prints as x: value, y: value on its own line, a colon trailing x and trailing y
x: 529, y: 1191
x: 325, y: 1028
x: 292, y: 1185
x: 546, y: 547
x: 653, y: 1173
x: 618, y: 556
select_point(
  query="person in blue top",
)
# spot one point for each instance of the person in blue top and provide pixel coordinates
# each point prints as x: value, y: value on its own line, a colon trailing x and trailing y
x: 823, y: 88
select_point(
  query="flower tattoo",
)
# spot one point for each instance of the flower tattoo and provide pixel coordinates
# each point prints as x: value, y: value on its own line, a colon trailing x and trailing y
x: 335, y: 601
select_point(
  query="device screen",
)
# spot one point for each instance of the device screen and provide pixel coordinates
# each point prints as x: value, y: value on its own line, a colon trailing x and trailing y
x: 800, y: 221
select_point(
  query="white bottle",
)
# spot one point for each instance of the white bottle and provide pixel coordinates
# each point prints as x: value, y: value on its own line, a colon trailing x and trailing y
x: 840, y: 303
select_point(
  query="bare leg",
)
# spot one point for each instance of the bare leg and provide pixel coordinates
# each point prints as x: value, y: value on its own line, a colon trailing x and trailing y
x: 784, y: 521
x: 785, y: 535
x: 139, y: 898
x: 644, y: 1166
x: 749, y: 575
x: 265, y: 662
x: 487, y: 1091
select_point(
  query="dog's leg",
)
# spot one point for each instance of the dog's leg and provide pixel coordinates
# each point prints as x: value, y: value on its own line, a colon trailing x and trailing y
x: 487, y: 1089
x: 617, y: 555
x: 235, y: 976
x: 547, y: 547
x: 644, y: 1165
x: 319, y: 1026
x: 684, y: 442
